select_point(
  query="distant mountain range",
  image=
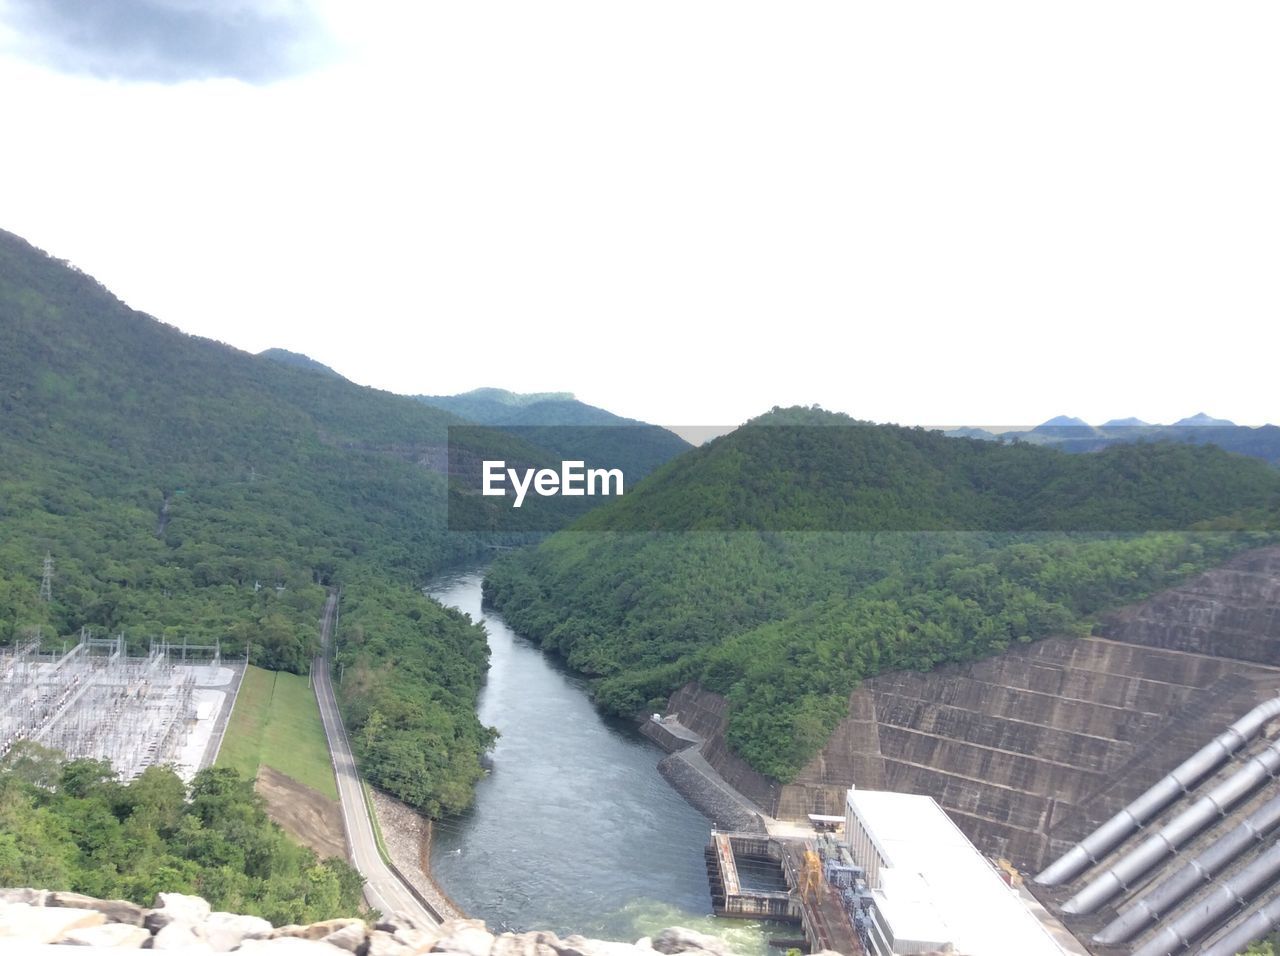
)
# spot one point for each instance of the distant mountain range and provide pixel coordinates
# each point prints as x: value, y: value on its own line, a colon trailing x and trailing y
x: 1076, y: 435
x: 554, y: 421
x: 560, y: 423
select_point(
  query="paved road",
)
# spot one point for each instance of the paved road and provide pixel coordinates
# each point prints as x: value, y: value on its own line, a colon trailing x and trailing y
x: 382, y: 888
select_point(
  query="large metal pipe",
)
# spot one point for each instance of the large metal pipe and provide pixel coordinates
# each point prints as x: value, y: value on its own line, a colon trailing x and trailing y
x: 1185, y: 776
x: 1255, y: 926
x: 1188, y: 824
x: 1224, y: 900
x: 1187, y: 879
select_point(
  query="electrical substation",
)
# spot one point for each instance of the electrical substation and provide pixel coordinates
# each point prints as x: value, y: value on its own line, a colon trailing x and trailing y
x: 94, y: 700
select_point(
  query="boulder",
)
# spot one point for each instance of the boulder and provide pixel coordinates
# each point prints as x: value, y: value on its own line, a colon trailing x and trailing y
x: 466, y: 937
x: 290, y: 946
x: 21, y: 922
x: 116, y: 911
x: 580, y: 946
x: 389, y: 924
x: 524, y: 944
x: 180, y: 936
x: 225, y: 931
x: 107, y: 936
x: 382, y: 943
x: 24, y: 894
x: 175, y: 908
x: 350, y: 938
x: 677, y: 939
x: 418, y: 940
x: 315, y: 931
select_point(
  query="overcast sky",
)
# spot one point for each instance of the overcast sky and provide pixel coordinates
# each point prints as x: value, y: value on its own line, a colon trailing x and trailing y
x: 685, y: 211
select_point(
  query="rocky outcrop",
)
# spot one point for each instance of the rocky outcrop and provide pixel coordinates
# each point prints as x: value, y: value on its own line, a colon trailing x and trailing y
x: 186, y: 923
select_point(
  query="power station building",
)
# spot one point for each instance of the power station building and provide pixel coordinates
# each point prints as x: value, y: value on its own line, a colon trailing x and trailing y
x: 933, y: 891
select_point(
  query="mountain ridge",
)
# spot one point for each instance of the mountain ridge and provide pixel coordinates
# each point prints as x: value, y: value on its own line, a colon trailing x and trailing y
x: 723, y: 567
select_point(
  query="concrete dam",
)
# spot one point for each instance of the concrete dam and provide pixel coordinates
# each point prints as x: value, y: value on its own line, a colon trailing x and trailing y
x: 1031, y: 751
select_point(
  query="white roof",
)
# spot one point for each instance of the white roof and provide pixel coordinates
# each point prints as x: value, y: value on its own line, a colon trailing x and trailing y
x: 936, y: 886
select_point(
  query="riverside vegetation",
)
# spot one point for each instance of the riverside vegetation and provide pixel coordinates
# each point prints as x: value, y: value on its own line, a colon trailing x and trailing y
x: 786, y: 622
x: 71, y: 825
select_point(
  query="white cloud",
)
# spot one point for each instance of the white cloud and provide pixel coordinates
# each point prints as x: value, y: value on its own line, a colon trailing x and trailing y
x: 168, y: 41
x: 691, y: 212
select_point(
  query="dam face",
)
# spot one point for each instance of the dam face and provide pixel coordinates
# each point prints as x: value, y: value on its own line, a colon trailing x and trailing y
x: 1031, y: 750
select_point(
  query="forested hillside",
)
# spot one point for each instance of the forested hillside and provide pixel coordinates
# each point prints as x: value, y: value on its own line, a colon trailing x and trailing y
x: 297, y: 360
x: 185, y: 489
x: 948, y: 559
x: 571, y: 429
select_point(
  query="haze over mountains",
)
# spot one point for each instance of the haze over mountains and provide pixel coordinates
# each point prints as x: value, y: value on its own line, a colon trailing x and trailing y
x: 554, y: 421
x: 570, y: 428
x: 1076, y: 435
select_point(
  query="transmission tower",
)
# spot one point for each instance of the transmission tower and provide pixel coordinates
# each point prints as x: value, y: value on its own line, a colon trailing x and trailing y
x: 46, y: 582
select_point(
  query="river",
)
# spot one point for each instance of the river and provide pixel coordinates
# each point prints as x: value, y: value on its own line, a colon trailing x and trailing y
x: 573, y: 830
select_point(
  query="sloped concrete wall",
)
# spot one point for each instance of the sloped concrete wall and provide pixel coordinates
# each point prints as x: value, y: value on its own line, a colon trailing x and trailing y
x: 706, y: 714
x: 1033, y: 748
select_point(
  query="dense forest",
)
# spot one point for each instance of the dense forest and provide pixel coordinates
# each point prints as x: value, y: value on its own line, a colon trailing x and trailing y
x: 953, y: 563
x: 72, y: 825
x: 409, y: 672
x: 188, y: 491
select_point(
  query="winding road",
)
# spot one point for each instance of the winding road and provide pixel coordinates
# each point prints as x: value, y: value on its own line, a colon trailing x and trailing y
x: 383, y: 889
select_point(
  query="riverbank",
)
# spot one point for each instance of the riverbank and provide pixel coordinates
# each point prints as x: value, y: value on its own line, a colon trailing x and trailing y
x: 574, y: 829
x: 406, y: 834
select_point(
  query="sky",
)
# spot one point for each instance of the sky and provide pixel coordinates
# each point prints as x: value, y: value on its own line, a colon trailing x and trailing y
x: 686, y: 212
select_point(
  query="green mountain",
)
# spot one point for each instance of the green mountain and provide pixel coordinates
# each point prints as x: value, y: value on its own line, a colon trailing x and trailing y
x: 168, y: 476
x: 1074, y: 435
x: 787, y: 560
x: 297, y: 360
x: 1201, y: 420
x: 808, y: 470
x: 571, y: 429
x: 497, y: 406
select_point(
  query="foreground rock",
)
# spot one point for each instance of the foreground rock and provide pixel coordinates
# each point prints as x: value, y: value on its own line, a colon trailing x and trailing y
x: 187, y: 924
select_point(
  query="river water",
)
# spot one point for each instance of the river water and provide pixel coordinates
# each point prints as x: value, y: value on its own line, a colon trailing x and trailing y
x: 573, y: 830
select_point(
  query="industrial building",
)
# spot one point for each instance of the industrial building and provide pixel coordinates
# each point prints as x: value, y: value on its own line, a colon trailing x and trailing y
x: 932, y: 890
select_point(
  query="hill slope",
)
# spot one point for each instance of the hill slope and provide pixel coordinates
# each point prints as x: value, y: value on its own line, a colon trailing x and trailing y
x: 943, y: 556
x: 167, y: 475
x: 297, y: 360
x: 569, y: 428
